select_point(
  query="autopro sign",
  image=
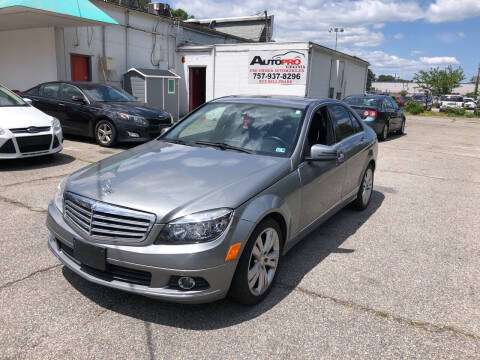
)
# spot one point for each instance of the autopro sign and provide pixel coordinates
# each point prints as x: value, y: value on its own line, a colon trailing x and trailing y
x: 285, y: 67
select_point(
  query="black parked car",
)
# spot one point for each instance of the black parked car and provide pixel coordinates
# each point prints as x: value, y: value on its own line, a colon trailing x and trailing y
x: 425, y: 100
x: 101, y: 111
x: 380, y: 112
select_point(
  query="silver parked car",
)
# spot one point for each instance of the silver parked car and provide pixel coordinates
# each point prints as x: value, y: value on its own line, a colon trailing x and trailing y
x: 208, y: 208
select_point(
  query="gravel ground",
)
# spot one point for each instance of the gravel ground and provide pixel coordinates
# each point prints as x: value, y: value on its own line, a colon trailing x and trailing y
x: 400, y: 280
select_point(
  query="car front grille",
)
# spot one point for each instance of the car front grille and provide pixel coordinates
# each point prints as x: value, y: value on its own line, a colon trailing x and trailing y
x: 100, y: 220
x: 159, y: 121
x: 29, y: 144
x: 113, y: 272
x: 30, y: 130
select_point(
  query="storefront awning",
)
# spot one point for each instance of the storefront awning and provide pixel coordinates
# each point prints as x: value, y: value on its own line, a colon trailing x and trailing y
x: 24, y: 14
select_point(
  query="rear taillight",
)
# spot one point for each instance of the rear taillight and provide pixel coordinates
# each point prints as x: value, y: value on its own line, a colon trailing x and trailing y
x: 370, y: 113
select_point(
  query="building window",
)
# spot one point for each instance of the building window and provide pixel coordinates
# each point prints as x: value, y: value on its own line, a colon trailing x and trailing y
x: 171, y: 86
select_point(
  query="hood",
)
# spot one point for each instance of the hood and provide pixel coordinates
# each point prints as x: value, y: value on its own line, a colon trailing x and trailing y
x: 173, y: 180
x: 133, y: 108
x: 12, y: 117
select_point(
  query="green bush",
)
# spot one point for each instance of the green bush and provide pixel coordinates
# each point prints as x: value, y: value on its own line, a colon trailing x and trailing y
x: 413, y: 107
x: 454, y: 111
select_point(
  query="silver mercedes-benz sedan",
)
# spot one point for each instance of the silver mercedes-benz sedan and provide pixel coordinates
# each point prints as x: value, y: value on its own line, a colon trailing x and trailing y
x: 209, y: 208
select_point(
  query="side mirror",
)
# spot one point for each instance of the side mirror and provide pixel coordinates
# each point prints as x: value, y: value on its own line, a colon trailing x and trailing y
x: 78, y: 99
x: 320, y: 152
x: 164, y: 130
x: 28, y: 101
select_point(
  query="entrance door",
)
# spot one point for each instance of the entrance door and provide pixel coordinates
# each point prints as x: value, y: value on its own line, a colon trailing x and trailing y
x: 197, y: 87
x: 80, y: 68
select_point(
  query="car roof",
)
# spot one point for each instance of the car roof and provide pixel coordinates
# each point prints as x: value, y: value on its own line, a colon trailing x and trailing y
x: 369, y: 95
x: 80, y: 84
x: 276, y: 100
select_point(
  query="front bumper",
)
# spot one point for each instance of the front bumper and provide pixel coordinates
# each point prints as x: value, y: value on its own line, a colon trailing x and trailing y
x: 142, y: 134
x: 10, y: 147
x: 162, y: 262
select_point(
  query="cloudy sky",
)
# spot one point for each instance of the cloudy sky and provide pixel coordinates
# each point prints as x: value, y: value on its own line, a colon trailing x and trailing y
x: 396, y: 37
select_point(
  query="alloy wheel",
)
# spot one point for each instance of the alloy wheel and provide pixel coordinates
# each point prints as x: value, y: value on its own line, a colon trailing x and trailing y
x: 367, y: 186
x: 104, y: 133
x: 263, y: 261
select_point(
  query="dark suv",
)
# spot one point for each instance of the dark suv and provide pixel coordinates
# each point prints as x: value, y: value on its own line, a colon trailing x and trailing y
x: 101, y: 111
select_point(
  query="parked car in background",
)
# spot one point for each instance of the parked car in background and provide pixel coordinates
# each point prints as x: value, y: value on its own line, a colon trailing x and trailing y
x: 209, y: 208
x: 469, y: 103
x: 424, y: 100
x: 24, y: 130
x: 380, y: 112
x: 453, y: 101
x: 402, y: 100
x: 108, y: 114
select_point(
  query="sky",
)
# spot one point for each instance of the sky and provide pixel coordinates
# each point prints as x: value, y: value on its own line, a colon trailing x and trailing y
x: 397, y: 37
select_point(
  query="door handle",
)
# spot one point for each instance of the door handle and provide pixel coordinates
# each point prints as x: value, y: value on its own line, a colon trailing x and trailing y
x: 61, y: 104
x: 341, y: 157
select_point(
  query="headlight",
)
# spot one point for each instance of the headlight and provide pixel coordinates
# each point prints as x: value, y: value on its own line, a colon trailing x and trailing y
x: 140, y: 120
x: 3, y: 131
x: 56, y: 124
x: 196, y: 228
x: 59, y: 195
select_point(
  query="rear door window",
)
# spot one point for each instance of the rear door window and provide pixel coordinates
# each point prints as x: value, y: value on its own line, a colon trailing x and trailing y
x: 342, y: 122
x: 50, y: 90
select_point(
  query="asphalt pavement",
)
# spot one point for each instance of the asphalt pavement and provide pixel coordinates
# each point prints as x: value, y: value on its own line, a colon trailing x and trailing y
x: 399, y: 280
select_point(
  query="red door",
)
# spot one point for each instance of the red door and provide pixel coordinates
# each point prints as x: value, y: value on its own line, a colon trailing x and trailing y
x: 197, y: 87
x: 79, y: 68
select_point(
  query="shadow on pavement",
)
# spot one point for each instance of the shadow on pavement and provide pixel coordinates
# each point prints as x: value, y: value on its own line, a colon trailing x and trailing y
x: 392, y: 137
x: 305, y: 256
x: 37, y: 162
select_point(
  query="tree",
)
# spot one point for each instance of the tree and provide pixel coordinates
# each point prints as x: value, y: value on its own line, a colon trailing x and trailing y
x: 386, y: 78
x: 403, y: 93
x: 438, y: 81
x: 370, y: 79
x: 181, y: 14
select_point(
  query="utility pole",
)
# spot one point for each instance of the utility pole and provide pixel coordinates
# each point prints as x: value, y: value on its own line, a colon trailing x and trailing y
x: 267, y: 30
x: 336, y: 31
x: 476, y: 80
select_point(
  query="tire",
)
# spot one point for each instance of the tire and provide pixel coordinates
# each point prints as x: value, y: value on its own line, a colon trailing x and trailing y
x: 250, y: 294
x: 401, y: 131
x: 105, y: 133
x: 365, y: 191
x: 384, y: 133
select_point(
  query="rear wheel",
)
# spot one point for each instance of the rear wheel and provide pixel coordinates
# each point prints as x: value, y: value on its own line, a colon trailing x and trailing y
x: 384, y: 134
x: 366, y: 188
x: 258, y: 265
x: 401, y: 131
x: 105, y: 133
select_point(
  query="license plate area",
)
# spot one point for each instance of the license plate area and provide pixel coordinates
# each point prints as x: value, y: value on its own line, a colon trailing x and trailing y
x: 90, y: 255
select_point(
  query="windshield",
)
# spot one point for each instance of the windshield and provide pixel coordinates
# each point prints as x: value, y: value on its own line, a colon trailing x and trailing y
x: 103, y: 93
x: 419, y: 97
x: 260, y: 129
x: 362, y: 101
x: 8, y: 98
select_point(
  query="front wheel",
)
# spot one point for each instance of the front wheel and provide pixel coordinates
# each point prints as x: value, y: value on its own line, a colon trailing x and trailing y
x: 366, y: 188
x: 105, y: 133
x: 258, y: 264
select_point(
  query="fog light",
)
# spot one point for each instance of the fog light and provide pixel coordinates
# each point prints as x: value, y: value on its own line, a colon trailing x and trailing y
x: 133, y: 134
x: 186, y: 283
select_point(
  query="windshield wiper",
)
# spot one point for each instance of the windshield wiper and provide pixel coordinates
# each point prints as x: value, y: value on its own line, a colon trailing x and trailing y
x: 224, y: 146
x: 174, y: 141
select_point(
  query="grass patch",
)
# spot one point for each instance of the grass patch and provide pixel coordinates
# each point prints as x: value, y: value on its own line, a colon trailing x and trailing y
x: 444, y: 114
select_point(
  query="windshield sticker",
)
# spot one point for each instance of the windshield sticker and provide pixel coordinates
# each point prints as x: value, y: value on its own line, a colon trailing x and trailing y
x: 280, y: 150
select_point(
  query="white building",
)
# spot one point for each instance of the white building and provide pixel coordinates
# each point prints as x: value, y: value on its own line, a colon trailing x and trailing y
x: 38, y: 46
x: 98, y: 41
x: 308, y: 69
